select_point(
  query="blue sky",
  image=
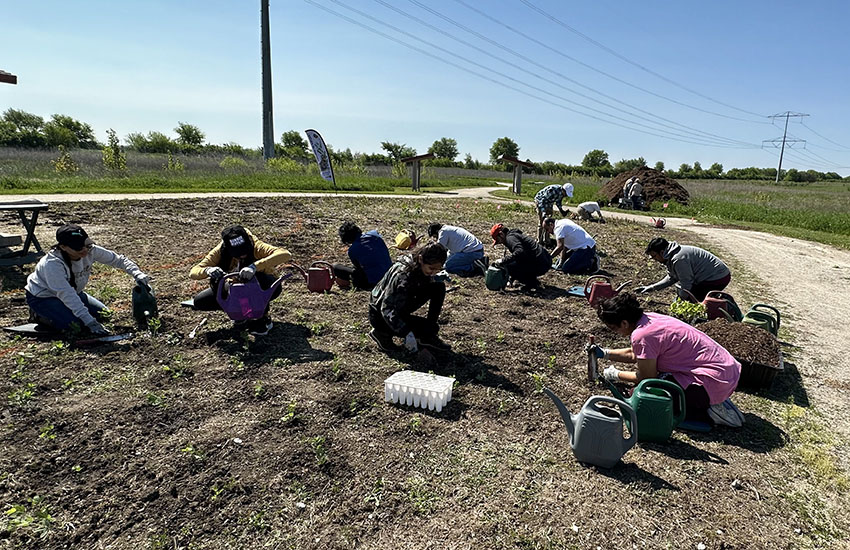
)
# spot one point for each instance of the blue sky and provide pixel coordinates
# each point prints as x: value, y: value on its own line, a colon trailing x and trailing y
x: 138, y: 66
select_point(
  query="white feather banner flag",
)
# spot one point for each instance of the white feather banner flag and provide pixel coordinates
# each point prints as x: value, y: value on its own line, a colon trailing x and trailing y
x: 317, y: 144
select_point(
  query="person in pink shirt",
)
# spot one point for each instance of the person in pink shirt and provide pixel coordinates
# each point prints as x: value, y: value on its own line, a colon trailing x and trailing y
x: 665, y: 347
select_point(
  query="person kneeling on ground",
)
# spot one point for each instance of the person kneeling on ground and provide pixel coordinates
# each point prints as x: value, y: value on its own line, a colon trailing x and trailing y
x: 54, y: 291
x: 576, y: 250
x: 696, y: 270
x: 667, y: 348
x: 406, y: 287
x: 240, y: 251
x: 527, y: 259
x: 586, y: 209
x: 466, y: 252
x: 367, y: 252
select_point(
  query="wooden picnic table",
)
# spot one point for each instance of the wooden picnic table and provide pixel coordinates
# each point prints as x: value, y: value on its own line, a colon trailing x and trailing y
x: 23, y: 256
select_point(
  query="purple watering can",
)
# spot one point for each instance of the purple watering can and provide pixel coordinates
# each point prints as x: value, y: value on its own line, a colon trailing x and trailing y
x: 242, y: 301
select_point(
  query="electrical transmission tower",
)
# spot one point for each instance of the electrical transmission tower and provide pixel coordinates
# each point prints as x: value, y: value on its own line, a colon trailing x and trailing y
x: 784, y: 139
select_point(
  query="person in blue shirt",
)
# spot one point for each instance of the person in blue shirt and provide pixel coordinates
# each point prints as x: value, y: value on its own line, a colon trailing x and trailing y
x: 367, y: 252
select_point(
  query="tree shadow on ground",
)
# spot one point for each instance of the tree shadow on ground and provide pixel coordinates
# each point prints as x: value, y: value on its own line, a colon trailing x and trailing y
x: 13, y: 278
x: 787, y: 387
x: 465, y: 368
x: 682, y: 450
x: 756, y: 435
x: 629, y: 473
x: 284, y: 341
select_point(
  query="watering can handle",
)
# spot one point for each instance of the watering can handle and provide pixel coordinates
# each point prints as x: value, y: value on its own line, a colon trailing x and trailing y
x: 589, y: 279
x: 689, y: 293
x: 624, y: 407
x: 220, y: 291
x: 674, y: 389
x: 326, y: 264
x: 776, y: 311
x: 299, y: 269
x: 622, y: 286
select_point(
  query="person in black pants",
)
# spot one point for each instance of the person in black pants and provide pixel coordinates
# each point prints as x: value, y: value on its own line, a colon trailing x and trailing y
x: 408, y: 285
x: 367, y: 252
x: 527, y: 259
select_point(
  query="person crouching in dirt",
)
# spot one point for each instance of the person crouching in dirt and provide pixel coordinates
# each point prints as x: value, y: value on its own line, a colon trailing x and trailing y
x: 526, y: 261
x: 239, y: 251
x: 586, y: 209
x: 576, y: 250
x: 696, y: 270
x: 544, y: 200
x: 406, y: 287
x: 367, y: 252
x: 667, y: 348
x: 466, y: 252
x: 54, y: 291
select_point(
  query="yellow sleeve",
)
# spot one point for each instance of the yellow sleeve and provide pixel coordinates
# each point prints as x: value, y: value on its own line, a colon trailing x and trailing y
x: 268, y: 256
x: 212, y: 259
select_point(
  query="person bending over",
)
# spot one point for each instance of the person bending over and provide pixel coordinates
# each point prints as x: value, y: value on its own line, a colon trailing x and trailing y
x: 407, y: 286
x: 526, y: 261
x: 667, y: 348
x: 545, y: 199
x: 54, y: 291
x: 696, y: 270
x: 369, y: 254
x: 576, y: 249
x: 466, y: 252
x: 240, y: 251
x: 586, y: 209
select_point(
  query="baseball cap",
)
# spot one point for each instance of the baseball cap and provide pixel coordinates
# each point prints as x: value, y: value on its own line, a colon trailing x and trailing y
x: 568, y: 189
x: 236, y: 242
x: 495, y: 230
x: 73, y: 236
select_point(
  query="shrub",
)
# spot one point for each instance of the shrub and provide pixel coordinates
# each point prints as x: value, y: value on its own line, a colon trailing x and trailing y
x: 284, y: 165
x: 232, y: 163
x: 173, y: 164
x: 112, y: 155
x: 64, y: 164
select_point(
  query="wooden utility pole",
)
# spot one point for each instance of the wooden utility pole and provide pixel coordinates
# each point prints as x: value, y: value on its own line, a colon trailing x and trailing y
x: 266, y: 48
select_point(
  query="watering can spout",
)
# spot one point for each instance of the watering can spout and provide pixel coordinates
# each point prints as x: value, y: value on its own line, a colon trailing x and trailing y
x: 569, y: 420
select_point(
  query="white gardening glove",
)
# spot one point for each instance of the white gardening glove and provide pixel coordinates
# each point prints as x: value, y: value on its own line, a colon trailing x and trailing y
x: 410, y: 343
x: 97, y: 329
x: 214, y: 272
x: 247, y: 273
x: 143, y: 279
x: 611, y: 374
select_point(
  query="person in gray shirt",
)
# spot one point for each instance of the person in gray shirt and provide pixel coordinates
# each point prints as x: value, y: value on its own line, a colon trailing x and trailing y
x: 696, y: 270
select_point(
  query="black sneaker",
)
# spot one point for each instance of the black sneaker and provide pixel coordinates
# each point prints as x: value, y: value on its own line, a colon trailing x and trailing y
x: 434, y: 343
x: 260, y: 327
x: 384, y: 341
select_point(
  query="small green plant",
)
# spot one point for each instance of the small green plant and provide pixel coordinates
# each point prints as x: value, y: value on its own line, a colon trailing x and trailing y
x: 46, y: 432
x: 550, y: 364
x: 318, y: 328
x: 177, y: 368
x: 107, y: 314
x: 259, y: 389
x: 500, y: 336
x: 420, y: 495
x: 301, y: 316
x: 173, y: 165
x: 58, y: 347
x: 113, y: 157
x: 319, y: 445
x: 237, y: 363
x: 415, y: 425
x: 64, y: 164
x: 76, y: 468
x: 233, y: 163
x: 336, y: 368
x: 290, y: 414
x: 22, y: 395
x: 539, y: 380
x: 193, y: 452
x: 687, y: 311
x: 377, y: 494
x: 282, y: 362
x: 154, y: 324
x: 35, y: 517
x: 481, y: 343
x: 155, y: 399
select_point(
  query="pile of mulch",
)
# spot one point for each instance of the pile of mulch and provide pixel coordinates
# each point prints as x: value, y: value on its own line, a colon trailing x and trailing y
x: 656, y: 186
x: 746, y: 343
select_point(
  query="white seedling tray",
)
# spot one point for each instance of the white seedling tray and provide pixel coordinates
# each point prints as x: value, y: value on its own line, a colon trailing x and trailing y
x: 419, y: 389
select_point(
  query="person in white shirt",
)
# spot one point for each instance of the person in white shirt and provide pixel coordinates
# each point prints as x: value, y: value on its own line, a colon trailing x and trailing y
x: 576, y: 249
x: 586, y: 209
x: 466, y: 252
x: 54, y: 291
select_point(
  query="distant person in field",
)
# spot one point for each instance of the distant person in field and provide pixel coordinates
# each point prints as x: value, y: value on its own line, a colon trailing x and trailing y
x: 575, y: 252
x: 239, y: 251
x: 407, y: 286
x: 587, y: 209
x: 544, y: 201
x: 369, y: 254
x: 696, y: 270
x: 466, y: 252
x: 54, y: 291
x: 667, y: 348
x: 526, y: 261
x: 632, y: 194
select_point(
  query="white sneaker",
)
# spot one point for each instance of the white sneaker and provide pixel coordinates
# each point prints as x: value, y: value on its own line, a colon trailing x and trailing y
x: 726, y: 414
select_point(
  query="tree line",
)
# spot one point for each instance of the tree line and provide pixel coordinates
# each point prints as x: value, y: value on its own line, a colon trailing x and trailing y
x: 25, y: 130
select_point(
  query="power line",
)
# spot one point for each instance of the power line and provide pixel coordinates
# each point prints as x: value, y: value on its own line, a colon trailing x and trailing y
x: 634, y: 63
x: 787, y: 115
x: 490, y: 79
x: 548, y: 69
x: 844, y: 147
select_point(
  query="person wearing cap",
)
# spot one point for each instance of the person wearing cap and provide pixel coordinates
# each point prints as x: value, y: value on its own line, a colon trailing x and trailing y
x: 369, y: 254
x: 545, y: 199
x: 696, y: 271
x: 526, y: 261
x: 466, y: 252
x: 576, y: 249
x: 54, y: 291
x: 407, y: 286
x: 239, y: 251
x: 586, y: 209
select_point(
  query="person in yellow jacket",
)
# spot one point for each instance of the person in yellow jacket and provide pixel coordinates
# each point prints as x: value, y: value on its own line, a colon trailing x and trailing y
x: 239, y: 251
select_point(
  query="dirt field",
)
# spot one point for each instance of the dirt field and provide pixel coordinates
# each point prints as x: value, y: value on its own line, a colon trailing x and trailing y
x: 227, y: 441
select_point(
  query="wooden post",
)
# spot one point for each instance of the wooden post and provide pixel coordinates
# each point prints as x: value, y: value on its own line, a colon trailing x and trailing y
x: 416, y: 168
x: 518, y: 166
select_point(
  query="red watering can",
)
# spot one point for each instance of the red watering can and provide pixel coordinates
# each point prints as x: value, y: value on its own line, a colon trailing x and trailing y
x: 599, y: 287
x: 320, y: 277
x: 659, y: 223
x: 242, y: 301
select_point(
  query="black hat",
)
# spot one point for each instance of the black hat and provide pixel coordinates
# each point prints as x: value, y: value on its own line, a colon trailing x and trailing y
x: 72, y: 236
x: 236, y: 242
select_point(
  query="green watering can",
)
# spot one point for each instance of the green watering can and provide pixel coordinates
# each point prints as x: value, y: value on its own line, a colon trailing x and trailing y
x: 144, y: 304
x: 763, y: 316
x: 659, y: 405
x: 496, y: 278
